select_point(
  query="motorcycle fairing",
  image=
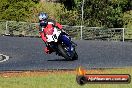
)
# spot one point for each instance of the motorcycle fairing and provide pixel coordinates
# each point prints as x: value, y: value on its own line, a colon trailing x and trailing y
x: 67, y: 41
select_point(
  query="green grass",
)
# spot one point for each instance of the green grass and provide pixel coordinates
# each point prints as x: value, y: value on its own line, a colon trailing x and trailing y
x: 59, y: 80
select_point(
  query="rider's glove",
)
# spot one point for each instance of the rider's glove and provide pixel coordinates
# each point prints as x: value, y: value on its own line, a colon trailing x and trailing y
x: 64, y: 32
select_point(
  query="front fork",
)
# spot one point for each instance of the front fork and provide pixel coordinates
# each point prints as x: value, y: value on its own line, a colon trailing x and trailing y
x: 67, y: 41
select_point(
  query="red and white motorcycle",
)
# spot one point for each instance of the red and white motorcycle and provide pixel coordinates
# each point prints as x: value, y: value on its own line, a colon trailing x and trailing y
x: 60, y: 42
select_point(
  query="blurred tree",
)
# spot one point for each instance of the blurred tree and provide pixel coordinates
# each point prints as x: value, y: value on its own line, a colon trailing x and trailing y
x: 4, y: 4
x: 69, y: 4
x: 104, y: 12
x: 127, y: 19
x: 36, y: 1
x: 53, y: 9
x: 17, y: 10
x: 70, y: 17
x: 109, y: 13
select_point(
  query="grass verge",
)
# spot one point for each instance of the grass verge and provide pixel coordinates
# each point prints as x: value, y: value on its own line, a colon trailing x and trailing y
x: 56, y: 79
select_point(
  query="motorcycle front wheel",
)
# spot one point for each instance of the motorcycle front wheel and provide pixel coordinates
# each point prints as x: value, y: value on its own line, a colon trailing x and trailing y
x: 65, y: 54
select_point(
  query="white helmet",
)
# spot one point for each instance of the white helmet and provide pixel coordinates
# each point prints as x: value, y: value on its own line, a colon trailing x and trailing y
x: 43, y: 16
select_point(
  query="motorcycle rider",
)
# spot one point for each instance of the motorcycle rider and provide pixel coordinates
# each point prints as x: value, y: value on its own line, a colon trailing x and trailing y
x: 43, y: 22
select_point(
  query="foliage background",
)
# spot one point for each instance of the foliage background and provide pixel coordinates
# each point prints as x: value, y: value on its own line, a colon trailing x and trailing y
x: 109, y: 13
x: 97, y: 13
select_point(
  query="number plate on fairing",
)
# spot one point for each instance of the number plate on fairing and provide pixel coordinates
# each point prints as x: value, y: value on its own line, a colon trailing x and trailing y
x: 54, y: 36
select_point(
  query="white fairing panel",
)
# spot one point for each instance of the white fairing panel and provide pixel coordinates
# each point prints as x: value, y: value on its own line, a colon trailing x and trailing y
x: 54, y: 36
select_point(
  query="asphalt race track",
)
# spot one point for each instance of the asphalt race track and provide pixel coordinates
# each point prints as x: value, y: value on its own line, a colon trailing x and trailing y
x: 27, y: 54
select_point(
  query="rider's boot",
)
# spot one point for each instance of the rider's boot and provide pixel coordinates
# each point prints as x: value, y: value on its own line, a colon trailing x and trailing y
x: 48, y: 50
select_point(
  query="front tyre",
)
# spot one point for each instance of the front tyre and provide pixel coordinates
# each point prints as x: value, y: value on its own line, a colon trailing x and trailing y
x: 75, y: 57
x: 64, y: 53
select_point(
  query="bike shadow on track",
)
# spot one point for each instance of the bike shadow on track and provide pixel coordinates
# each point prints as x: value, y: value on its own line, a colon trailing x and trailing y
x: 59, y: 60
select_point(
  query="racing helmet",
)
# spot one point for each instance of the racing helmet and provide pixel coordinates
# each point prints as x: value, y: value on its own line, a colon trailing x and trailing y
x: 43, y: 16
